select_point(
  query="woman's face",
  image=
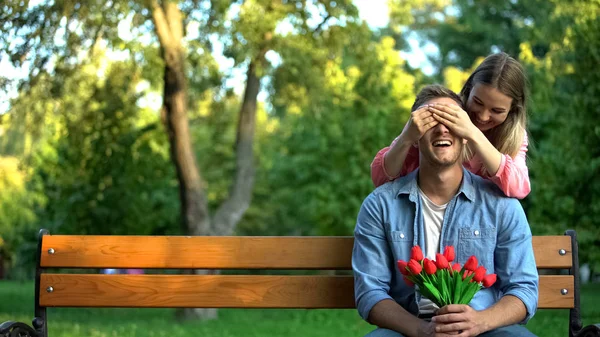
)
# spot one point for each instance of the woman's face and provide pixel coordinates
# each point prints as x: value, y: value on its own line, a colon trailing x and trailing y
x: 487, y: 106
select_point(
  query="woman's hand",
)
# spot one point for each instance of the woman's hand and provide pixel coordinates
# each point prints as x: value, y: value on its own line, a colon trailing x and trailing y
x: 419, y: 122
x: 455, y: 119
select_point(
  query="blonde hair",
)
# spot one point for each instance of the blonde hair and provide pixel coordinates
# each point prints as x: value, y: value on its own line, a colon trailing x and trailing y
x: 506, y: 74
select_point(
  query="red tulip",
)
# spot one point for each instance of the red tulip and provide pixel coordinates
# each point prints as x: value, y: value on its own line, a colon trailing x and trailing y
x: 467, y: 274
x: 440, y: 261
x: 402, y: 267
x: 489, y: 280
x: 416, y: 253
x: 408, y: 282
x: 479, y: 274
x: 471, y: 263
x: 429, y: 266
x: 449, y: 253
x: 415, y: 267
x: 456, y: 267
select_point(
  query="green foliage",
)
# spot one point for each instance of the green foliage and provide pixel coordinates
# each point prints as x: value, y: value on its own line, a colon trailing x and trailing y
x: 109, y: 172
x: 566, y: 162
x: 320, y: 165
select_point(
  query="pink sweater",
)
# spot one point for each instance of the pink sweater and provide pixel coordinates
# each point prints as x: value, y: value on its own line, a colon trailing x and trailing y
x: 512, y: 176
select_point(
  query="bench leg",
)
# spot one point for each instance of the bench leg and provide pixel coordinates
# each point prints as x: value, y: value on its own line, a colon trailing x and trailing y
x: 10, y: 328
x: 589, y: 331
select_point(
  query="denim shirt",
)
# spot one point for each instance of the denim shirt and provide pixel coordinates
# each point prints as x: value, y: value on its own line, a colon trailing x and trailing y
x: 479, y: 220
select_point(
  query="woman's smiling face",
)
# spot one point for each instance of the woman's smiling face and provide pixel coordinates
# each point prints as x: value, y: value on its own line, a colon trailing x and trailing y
x: 487, y: 106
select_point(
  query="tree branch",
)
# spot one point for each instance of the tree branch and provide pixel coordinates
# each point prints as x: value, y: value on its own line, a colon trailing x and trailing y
x: 317, y: 30
x: 161, y: 25
x: 174, y: 20
x: 232, y: 210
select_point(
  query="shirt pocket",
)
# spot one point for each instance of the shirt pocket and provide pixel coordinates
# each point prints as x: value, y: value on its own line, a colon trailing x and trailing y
x: 480, y: 242
x: 400, y: 242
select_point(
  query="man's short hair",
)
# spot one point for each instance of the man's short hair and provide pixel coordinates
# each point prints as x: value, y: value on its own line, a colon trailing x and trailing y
x: 432, y: 91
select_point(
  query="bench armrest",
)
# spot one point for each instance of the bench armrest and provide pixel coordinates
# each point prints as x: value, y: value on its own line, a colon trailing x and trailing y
x: 10, y: 328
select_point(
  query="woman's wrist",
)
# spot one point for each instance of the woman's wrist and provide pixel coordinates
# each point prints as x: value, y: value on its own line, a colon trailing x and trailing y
x: 403, y: 142
x: 476, y: 137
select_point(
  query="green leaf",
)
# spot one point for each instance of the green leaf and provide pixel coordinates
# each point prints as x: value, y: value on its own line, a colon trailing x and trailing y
x: 431, y: 293
x: 469, y: 291
x: 445, y: 289
x: 457, y: 287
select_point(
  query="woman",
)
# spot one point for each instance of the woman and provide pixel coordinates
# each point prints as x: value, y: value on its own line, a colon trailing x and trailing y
x: 494, y: 127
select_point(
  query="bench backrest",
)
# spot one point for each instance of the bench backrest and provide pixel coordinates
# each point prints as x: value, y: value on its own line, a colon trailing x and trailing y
x: 232, y: 291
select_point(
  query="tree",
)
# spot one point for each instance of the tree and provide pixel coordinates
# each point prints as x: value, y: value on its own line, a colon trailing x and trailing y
x: 81, y: 25
x: 565, y: 163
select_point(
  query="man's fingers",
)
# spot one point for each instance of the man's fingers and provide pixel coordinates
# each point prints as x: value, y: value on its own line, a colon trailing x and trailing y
x: 452, y: 308
x: 454, y: 327
x: 448, y: 318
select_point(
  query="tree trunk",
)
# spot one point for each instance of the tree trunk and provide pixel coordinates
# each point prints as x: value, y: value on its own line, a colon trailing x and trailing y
x: 194, y: 206
x: 232, y: 210
x: 195, y: 219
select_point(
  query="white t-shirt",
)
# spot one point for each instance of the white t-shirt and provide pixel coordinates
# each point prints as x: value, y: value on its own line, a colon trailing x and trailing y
x: 433, y: 217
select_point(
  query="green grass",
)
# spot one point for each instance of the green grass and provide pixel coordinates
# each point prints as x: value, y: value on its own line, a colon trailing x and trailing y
x: 16, y: 303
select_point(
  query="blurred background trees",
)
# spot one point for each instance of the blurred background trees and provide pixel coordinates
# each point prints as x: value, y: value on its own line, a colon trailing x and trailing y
x: 281, y: 104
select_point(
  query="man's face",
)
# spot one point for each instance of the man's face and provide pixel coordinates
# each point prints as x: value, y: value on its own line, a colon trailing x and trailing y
x: 439, y: 146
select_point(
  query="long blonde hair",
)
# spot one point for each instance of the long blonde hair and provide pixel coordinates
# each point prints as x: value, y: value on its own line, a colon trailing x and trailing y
x: 506, y: 74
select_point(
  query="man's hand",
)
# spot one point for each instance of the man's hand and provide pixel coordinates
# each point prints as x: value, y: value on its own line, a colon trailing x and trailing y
x: 460, y: 320
x: 419, y: 122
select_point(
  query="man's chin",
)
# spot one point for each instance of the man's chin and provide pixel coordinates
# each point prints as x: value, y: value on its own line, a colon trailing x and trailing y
x: 444, y: 162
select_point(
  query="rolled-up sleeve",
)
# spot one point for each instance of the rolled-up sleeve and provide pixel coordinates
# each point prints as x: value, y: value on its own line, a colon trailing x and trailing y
x: 371, y: 258
x: 515, y: 263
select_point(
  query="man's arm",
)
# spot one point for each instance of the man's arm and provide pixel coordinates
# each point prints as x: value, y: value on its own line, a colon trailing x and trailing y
x: 514, y: 264
x: 390, y: 315
x: 373, y: 265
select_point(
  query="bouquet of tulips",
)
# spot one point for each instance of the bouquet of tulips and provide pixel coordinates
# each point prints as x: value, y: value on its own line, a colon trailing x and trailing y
x: 442, y: 282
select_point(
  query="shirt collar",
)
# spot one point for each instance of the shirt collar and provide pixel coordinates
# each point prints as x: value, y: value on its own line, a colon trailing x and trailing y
x: 408, y: 185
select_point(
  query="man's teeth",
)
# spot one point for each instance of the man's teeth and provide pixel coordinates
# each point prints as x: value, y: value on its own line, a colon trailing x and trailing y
x: 442, y: 143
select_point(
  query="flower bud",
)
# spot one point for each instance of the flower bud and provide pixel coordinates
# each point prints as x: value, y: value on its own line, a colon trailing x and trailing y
x: 414, y: 267
x: 449, y: 253
x: 471, y: 263
x: 440, y: 261
x: 402, y: 267
x: 429, y: 266
x: 416, y: 253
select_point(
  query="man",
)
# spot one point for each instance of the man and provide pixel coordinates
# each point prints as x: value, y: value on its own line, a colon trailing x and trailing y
x: 442, y: 204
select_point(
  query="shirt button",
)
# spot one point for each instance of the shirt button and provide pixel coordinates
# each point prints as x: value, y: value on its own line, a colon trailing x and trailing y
x: 401, y: 235
x: 476, y: 233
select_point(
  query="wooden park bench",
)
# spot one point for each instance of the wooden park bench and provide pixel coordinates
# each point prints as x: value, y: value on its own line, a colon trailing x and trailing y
x: 54, y: 289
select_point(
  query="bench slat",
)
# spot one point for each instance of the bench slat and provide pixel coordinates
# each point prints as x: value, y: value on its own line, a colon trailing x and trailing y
x: 546, y: 250
x: 231, y: 291
x: 197, y: 291
x: 201, y: 252
x: 550, y: 296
